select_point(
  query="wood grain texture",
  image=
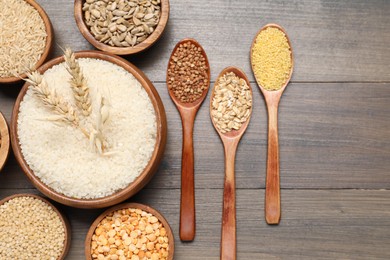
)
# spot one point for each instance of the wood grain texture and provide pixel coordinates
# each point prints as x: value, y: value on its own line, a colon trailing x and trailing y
x: 188, y: 113
x: 272, y: 99
x: 334, y: 130
x: 332, y: 40
x: 230, y: 141
x: 4, y: 141
x: 187, y: 197
x: 333, y: 135
x: 316, y: 224
x: 228, y: 230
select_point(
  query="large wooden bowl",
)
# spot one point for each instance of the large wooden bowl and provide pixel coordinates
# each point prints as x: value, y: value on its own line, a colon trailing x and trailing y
x: 60, y: 215
x: 49, y: 43
x: 79, y: 16
x: 4, y: 141
x: 91, y: 231
x: 145, y: 175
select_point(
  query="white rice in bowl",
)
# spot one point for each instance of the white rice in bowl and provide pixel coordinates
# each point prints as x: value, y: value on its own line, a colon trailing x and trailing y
x: 61, y: 156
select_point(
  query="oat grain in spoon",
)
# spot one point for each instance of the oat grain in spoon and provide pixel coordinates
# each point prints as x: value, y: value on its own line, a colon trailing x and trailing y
x: 188, y: 80
x: 272, y: 64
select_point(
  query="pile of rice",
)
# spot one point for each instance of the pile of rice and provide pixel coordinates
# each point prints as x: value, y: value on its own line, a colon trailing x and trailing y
x: 61, y: 155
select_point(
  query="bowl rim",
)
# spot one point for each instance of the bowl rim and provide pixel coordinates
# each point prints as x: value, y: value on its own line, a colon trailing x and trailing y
x: 62, y: 217
x: 48, y: 44
x: 148, y: 42
x: 4, y: 141
x: 149, y: 170
x: 154, y: 212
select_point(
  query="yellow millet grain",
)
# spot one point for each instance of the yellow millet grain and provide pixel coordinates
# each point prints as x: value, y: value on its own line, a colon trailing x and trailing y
x: 271, y: 58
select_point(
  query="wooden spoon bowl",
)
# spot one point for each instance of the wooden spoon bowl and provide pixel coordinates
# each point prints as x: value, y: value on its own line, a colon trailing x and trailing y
x: 197, y: 103
x: 48, y: 46
x: 234, y: 134
x: 4, y: 141
x: 158, y: 215
x: 188, y: 113
x: 148, y: 42
x: 272, y: 99
x: 230, y: 142
x: 273, y: 93
x: 144, y: 177
x: 63, y: 219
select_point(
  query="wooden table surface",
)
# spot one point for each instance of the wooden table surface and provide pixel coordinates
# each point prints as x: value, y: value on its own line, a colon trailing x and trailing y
x: 334, y: 127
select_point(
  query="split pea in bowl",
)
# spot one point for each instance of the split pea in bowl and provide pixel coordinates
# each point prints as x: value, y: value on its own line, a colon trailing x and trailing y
x: 56, y: 152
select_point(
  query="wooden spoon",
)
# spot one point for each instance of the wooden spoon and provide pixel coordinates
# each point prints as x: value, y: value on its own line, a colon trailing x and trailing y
x: 272, y: 98
x: 230, y: 142
x: 188, y: 112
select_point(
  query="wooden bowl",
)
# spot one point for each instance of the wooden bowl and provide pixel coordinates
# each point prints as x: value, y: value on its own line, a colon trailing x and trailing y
x: 49, y: 43
x: 171, y: 240
x: 145, y: 175
x: 79, y: 16
x: 4, y: 141
x: 61, y: 216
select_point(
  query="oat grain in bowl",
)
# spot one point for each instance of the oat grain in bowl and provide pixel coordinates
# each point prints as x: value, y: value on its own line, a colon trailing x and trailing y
x: 30, y: 229
x: 23, y: 37
x: 122, y: 23
x: 59, y: 153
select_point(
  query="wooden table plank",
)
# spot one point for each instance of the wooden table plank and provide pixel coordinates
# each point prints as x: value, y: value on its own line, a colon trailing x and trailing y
x: 332, y: 135
x: 332, y: 40
x: 316, y: 224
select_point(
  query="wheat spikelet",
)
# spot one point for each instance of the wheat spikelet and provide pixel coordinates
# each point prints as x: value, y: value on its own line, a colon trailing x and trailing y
x: 66, y: 113
x: 97, y: 139
x: 53, y: 101
x: 78, y: 83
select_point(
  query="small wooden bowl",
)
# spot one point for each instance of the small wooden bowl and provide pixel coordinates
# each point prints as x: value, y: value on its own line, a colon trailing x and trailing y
x: 171, y: 240
x: 4, y: 141
x: 63, y: 219
x: 49, y: 43
x: 79, y: 16
x: 145, y: 176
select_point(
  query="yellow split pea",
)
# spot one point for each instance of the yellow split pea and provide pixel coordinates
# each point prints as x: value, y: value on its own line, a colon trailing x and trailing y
x: 130, y: 234
x: 271, y: 58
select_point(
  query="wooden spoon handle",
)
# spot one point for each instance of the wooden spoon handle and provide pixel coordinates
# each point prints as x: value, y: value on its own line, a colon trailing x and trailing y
x: 272, y: 187
x: 187, y: 202
x: 228, y: 236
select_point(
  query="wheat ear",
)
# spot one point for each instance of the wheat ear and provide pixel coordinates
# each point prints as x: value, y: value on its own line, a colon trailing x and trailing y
x: 97, y: 138
x: 53, y: 101
x: 78, y: 83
